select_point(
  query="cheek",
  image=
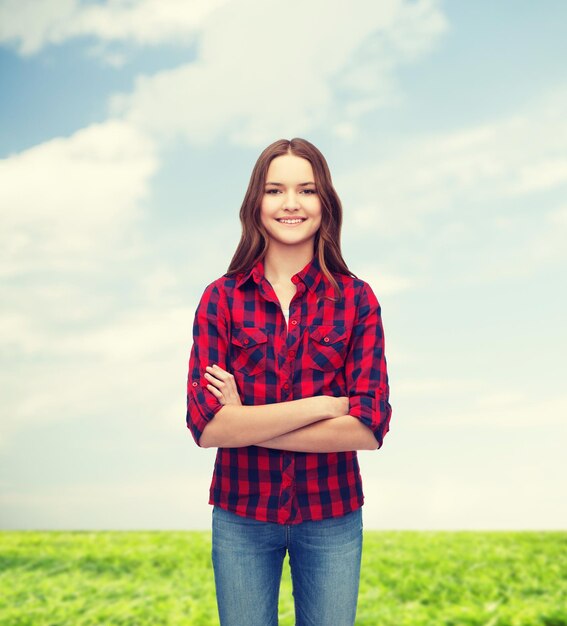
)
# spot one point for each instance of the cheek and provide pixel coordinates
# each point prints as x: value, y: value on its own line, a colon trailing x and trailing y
x: 316, y: 213
x: 265, y: 212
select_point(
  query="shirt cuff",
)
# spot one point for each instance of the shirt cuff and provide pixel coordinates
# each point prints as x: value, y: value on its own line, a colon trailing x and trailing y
x: 200, y: 411
x: 373, y: 411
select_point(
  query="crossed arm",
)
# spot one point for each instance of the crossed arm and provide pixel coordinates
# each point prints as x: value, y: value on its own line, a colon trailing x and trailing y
x: 338, y: 434
x: 318, y: 424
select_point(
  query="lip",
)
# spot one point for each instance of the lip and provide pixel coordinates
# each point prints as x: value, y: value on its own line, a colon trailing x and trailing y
x: 291, y: 218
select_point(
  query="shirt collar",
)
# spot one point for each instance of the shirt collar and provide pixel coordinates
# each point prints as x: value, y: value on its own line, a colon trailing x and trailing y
x: 311, y: 274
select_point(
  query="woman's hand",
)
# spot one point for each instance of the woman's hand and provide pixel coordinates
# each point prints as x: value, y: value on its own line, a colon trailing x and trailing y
x: 222, y: 385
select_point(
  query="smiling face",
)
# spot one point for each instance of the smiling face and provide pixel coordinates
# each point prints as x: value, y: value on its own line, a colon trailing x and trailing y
x: 291, y: 206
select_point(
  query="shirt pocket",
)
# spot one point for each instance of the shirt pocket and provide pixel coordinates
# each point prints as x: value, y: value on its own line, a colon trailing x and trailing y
x: 249, y: 350
x: 326, y: 347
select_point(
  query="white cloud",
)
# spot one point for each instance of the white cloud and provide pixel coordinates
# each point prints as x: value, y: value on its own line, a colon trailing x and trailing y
x: 64, y: 202
x: 132, y: 364
x: 260, y: 72
x: 282, y: 75
x: 503, y: 160
x: 69, y: 212
x: 31, y: 24
x: 95, y: 330
x: 546, y: 174
x: 34, y: 24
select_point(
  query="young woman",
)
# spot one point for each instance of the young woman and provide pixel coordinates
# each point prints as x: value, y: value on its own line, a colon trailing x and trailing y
x: 288, y: 379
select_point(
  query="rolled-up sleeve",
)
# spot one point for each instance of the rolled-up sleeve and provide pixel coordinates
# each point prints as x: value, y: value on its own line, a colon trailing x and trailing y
x: 365, y: 368
x: 210, y: 345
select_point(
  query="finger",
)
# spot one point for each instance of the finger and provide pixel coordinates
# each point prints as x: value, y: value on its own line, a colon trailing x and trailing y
x: 214, y: 391
x: 220, y: 373
x: 214, y: 381
x: 214, y: 367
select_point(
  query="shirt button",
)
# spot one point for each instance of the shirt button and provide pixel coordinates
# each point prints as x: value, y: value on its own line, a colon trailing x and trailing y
x: 286, y: 386
x: 195, y: 384
x: 326, y: 339
x: 291, y: 353
x: 246, y: 340
x: 294, y: 279
x: 294, y: 322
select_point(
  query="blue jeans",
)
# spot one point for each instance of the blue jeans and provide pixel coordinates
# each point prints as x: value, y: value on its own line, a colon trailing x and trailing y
x: 324, y: 558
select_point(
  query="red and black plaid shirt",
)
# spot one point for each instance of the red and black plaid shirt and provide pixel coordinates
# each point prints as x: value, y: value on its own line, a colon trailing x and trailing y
x: 328, y: 348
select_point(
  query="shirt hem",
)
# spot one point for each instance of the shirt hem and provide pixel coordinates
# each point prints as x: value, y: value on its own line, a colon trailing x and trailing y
x: 304, y: 516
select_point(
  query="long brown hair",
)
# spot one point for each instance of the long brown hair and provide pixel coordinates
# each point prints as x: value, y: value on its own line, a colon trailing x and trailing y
x: 254, y: 240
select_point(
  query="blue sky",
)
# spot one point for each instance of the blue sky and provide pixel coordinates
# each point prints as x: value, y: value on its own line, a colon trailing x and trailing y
x: 128, y: 133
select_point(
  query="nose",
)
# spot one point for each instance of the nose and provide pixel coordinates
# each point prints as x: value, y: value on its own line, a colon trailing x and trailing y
x: 291, y: 202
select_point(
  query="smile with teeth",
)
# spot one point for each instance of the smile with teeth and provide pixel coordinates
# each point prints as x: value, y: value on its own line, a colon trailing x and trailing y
x: 291, y: 220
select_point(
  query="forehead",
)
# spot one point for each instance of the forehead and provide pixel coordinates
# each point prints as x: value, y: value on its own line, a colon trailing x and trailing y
x: 289, y: 168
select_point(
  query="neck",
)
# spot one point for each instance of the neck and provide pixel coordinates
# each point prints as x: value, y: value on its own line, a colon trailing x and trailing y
x: 282, y: 262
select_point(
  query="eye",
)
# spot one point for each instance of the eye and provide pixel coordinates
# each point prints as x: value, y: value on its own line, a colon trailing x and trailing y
x: 309, y: 191
x: 272, y: 191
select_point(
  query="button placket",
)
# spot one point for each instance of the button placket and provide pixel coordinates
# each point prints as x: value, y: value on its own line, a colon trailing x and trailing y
x: 291, y: 340
x: 287, y: 491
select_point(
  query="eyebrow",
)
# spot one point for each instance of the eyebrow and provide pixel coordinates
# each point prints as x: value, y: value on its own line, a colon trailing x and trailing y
x: 281, y: 184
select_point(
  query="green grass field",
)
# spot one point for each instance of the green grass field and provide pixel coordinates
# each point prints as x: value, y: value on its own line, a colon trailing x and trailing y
x: 408, y: 578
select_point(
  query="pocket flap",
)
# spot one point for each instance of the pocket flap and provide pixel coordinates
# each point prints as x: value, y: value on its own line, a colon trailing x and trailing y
x: 327, y: 334
x: 248, y: 337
